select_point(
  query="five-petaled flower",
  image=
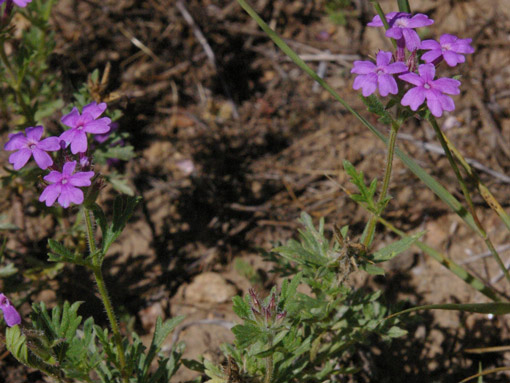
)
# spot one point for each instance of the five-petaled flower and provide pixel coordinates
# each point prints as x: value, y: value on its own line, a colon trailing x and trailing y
x: 31, y: 145
x: 402, y: 27
x: 372, y: 76
x: 427, y: 88
x: 64, y: 186
x: 87, y: 122
x: 449, y: 47
x: 11, y: 316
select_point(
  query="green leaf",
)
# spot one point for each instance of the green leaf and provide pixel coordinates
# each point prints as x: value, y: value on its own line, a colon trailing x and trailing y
x: 122, y: 210
x: 60, y: 253
x: 246, y: 335
x: 241, y: 308
x: 371, y: 269
x: 392, y: 250
x: 8, y: 270
x: 374, y: 105
x: 396, y: 332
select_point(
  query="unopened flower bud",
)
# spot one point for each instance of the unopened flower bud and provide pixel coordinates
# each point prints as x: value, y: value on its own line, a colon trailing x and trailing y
x: 11, y: 316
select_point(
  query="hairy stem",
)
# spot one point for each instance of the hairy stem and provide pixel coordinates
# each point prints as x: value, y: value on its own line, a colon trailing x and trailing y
x: 269, y: 365
x: 103, y: 292
x: 369, y: 232
x: 481, y: 231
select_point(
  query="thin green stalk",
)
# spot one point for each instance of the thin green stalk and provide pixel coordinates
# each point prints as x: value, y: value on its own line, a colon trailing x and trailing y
x: 481, y: 231
x: 103, y: 292
x: 269, y: 365
x: 455, y: 268
x: 368, y: 235
x: 482, y: 188
x: 381, y: 14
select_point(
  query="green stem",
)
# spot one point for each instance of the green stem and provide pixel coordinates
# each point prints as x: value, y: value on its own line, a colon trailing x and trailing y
x: 103, y: 292
x: 269, y: 365
x: 381, y: 14
x: 369, y: 232
x: 481, y: 231
x: 482, y: 188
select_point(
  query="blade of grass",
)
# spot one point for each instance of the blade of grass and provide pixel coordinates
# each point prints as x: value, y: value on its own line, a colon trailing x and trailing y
x: 485, y: 372
x: 437, y: 188
x: 456, y: 269
x: 495, y: 308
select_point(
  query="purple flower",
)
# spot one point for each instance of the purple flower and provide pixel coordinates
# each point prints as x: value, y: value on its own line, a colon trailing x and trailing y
x: 402, y: 27
x: 11, y: 316
x: 31, y: 145
x: 19, y: 3
x: 432, y: 90
x: 65, y: 186
x: 370, y: 76
x: 450, y: 47
x: 87, y: 122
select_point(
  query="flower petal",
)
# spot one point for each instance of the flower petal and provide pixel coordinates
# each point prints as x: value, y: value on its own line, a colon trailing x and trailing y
x: 49, y: 144
x: 427, y: 72
x: 397, y: 67
x: 412, y: 78
x: 363, y: 67
x: 447, y: 85
x: 414, y: 98
x: 431, y: 56
x: 16, y: 141
x: 383, y: 58
x: 98, y: 126
x: 81, y: 179
x: 34, y: 133
x: 368, y: 83
x: 463, y: 46
x: 42, y: 159
x: 68, y: 168
x: 53, y: 177
x: 377, y: 22
x: 79, y: 143
x: 433, y: 102
x: 68, y: 136
x: 447, y: 39
x: 94, y: 110
x: 50, y: 194
x: 387, y: 84
x: 70, y: 194
x: 394, y: 33
x: 20, y: 158
x: 419, y: 20
x: 412, y: 39
x: 452, y: 58
x: 71, y: 119
x: 430, y: 44
x: 447, y: 103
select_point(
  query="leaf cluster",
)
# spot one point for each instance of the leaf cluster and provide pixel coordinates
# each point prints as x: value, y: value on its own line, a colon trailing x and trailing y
x: 322, y: 328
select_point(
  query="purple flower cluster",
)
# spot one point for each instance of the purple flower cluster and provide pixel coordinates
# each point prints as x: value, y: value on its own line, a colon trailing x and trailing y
x: 63, y: 185
x: 380, y: 76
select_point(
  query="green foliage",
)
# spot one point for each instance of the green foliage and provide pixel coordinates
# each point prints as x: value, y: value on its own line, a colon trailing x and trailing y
x: 374, y: 105
x: 336, y: 10
x: 297, y: 337
x: 123, y: 208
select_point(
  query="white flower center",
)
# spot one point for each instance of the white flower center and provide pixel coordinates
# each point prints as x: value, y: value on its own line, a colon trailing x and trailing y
x: 64, y: 181
x: 446, y: 47
x: 426, y: 85
x: 379, y: 71
x: 401, y: 22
